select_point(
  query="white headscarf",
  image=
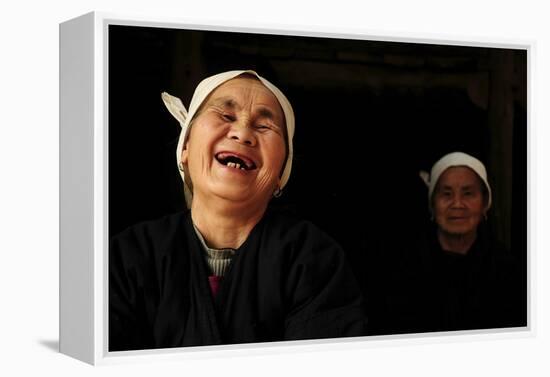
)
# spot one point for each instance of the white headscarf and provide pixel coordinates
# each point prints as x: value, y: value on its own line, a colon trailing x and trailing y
x: 451, y: 160
x: 207, y: 86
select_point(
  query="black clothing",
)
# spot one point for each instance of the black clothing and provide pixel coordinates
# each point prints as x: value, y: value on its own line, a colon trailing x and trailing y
x: 287, y: 281
x: 427, y: 289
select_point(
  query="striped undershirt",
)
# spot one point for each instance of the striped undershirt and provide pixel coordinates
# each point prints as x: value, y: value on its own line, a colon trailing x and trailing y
x: 218, y: 260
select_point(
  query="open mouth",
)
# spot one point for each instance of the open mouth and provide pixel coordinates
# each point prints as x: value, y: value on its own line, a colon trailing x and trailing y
x: 235, y: 161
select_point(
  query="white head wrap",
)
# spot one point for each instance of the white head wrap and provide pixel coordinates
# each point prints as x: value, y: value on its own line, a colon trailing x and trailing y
x: 455, y: 159
x: 207, y: 86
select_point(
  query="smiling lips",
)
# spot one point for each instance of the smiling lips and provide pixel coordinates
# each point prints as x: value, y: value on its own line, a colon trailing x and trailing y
x: 235, y: 160
x: 457, y: 218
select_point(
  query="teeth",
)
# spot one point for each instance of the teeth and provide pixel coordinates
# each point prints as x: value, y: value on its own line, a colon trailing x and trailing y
x: 235, y: 165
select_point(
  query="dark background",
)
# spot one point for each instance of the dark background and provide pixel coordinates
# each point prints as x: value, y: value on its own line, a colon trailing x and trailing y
x: 369, y: 116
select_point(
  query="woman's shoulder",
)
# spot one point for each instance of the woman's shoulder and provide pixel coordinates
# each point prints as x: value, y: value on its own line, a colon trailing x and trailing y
x: 290, y: 223
x: 161, y: 226
x: 144, y: 246
x: 288, y: 228
x: 150, y: 238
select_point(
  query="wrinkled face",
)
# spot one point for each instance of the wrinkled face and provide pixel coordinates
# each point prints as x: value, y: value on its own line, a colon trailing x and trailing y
x: 458, y: 202
x: 236, y: 147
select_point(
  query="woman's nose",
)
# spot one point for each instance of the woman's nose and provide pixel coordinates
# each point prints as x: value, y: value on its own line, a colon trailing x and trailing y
x: 241, y: 132
x: 458, y: 201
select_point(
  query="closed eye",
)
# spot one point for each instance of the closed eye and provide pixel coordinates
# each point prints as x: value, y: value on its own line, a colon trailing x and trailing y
x: 267, y: 127
x: 446, y: 194
x: 228, y: 117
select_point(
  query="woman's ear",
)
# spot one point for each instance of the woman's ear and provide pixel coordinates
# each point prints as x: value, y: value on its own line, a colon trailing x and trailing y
x: 185, y: 153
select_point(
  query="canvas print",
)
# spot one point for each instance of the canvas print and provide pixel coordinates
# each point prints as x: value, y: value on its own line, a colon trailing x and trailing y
x: 267, y: 188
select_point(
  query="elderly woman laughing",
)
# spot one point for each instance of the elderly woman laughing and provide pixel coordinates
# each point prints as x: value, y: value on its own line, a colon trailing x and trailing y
x: 230, y: 270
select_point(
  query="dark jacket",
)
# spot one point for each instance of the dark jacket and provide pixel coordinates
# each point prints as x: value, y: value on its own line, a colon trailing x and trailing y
x: 287, y: 281
x: 423, y: 288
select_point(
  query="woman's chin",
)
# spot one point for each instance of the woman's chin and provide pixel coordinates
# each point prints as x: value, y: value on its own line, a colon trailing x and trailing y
x: 234, y: 193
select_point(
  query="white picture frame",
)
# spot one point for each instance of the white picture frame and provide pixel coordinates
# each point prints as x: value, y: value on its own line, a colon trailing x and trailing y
x: 84, y: 199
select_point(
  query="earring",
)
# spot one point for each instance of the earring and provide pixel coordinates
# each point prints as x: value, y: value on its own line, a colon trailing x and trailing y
x: 180, y: 166
x: 278, y: 192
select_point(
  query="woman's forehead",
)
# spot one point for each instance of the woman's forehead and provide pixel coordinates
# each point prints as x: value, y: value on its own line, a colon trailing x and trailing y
x: 244, y: 88
x: 246, y: 91
x: 459, y: 175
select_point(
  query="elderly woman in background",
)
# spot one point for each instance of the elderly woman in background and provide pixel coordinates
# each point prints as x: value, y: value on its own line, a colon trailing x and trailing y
x: 230, y: 270
x: 454, y: 276
x: 459, y: 196
x: 470, y: 281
